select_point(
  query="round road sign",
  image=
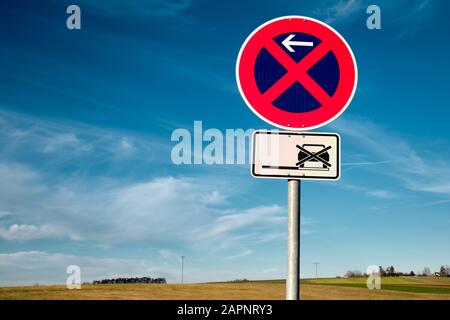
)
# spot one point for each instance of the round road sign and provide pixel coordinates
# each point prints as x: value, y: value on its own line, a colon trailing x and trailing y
x: 296, y: 73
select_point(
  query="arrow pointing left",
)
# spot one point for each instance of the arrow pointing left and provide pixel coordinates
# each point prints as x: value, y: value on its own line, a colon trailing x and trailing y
x: 288, y: 43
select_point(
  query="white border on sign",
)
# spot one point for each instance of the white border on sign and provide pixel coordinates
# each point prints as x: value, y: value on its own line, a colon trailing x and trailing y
x: 273, y: 123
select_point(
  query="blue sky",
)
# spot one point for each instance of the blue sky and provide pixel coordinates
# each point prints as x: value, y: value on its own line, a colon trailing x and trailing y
x: 86, y: 118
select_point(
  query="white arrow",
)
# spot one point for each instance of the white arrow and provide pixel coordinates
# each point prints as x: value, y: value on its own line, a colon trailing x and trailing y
x: 288, y: 43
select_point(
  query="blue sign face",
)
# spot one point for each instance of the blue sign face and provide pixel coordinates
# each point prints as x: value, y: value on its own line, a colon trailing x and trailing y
x: 296, y: 98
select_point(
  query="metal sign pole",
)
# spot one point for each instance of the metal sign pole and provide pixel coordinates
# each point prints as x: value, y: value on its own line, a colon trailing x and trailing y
x: 293, y: 246
x: 182, y: 269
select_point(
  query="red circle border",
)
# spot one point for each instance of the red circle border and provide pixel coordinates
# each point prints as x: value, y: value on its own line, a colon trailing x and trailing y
x: 290, y: 120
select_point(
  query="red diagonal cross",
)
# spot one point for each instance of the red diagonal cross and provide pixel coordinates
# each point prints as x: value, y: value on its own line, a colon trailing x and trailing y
x: 297, y: 72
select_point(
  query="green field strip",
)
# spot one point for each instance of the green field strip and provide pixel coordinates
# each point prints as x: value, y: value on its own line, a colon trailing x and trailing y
x: 393, y: 287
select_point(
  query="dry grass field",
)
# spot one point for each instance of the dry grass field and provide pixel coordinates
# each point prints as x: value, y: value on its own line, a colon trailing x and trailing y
x: 318, y: 289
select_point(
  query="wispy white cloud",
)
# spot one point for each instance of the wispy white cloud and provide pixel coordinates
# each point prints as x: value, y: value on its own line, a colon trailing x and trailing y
x: 178, y: 215
x: 336, y: 10
x: 128, y: 212
x: 4, y: 214
x: 383, y: 194
x: 372, y: 192
x: 125, y: 146
x: 392, y: 12
x: 65, y: 141
x: 58, y: 143
x: 233, y: 221
x: 239, y: 255
x: 30, y: 232
x: 169, y: 254
x: 173, y: 214
x: 371, y: 163
x: 44, y: 202
x: 400, y: 160
x: 271, y: 271
x: 170, y: 8
x: 40, y: 267
x: 413, y: 16
x: 412, y: 10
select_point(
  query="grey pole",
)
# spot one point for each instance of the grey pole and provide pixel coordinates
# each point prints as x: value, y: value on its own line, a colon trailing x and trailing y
x: 293, y: 246
x: 317, y: 276
x: 182, y: 268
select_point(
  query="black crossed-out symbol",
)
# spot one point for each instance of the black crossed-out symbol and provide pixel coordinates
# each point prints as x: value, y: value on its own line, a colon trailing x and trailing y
x: 314, y: 155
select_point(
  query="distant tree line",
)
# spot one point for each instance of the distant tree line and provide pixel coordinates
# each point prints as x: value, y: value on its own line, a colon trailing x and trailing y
x: 390, y: 271
x: 143, y: 280
x: 239, y: 280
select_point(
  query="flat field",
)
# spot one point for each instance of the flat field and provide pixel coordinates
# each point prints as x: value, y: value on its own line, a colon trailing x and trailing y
x: 423, y: 288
